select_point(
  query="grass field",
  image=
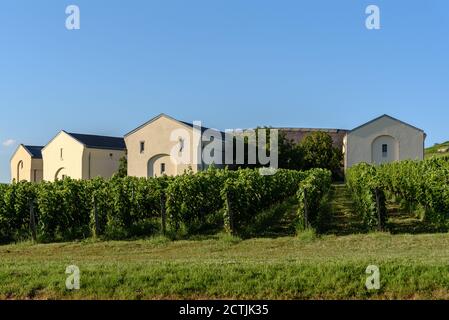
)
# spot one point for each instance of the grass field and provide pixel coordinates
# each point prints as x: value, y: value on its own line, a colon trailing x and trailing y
x: 413, y: 260
x: 304, y: 267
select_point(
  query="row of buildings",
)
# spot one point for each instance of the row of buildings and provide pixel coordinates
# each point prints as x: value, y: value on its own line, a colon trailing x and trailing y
x: 149, y: 149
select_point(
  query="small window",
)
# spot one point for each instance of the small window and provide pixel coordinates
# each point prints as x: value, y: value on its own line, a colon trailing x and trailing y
x: 162, y: 168
x: 384, y: 150
x: 61, y: 154
x: 181, y: 144
x: 142, y: 146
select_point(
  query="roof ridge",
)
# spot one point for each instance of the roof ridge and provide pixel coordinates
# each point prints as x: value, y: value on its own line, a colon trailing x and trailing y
x: 92, y: 135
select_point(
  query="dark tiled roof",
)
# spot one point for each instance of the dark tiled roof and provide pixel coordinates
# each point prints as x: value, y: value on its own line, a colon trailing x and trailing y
x: 36, y: 151
x: 100, y: 142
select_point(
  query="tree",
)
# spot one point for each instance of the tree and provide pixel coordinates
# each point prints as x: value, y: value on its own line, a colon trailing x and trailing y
x: 319, y: 152
x: 290, y: 154
x: 123, y: 167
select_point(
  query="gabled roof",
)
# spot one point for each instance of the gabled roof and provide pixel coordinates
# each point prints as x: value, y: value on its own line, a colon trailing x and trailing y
x: 34, y: 151
x: 99, y: 142
x: 190, y: 125
x: 386, y: 116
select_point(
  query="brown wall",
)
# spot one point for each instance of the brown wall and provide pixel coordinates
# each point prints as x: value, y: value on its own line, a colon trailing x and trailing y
x: 298, y: 134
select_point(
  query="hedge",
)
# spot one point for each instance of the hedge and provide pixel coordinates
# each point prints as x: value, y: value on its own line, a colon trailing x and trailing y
x: 366, y: 188
x: 313, y: 199
x: 121, y: 208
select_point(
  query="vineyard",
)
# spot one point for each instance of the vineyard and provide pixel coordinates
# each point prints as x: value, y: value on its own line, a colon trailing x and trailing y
x: 418, y: 187
x: 216, y: 200
x: 122, y: 208
x: 246, y: 260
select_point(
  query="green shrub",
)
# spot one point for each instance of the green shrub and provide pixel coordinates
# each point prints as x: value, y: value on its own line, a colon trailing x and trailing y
x: 127, y: 207
x: 419, y: 184
x: 367, y: 190
x: 247, y: 193
x: 193, y: 200
x: 313, y: 198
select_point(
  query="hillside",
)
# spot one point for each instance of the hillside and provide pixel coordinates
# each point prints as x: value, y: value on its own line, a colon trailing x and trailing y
x: 437, y: 150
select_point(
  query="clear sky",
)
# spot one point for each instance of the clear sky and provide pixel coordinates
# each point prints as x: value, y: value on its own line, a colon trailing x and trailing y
x: 229, y: 63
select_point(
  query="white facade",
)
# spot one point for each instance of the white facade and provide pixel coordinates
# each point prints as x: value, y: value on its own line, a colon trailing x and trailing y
x: 152, y: 145
x: 68, y: 156
x: 384, y: 139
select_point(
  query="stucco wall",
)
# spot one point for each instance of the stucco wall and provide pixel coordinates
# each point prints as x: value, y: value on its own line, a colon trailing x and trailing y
x: 71, y: 161
x: 157, y: 138
x: 31, y: 170
x: 410, y: 141
x: 37, y: 170
x: 100, y: 163
x: 24, y: 170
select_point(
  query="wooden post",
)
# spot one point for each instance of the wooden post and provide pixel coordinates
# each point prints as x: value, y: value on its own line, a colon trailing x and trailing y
x: 97, y: 228
x: 306, y: 210
x: 163, y: 214
x: 230, y: 216
x: 379, y: 213
x: 32, y: 221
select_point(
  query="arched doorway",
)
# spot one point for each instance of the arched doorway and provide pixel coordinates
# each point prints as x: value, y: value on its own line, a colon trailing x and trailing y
x: 19, y: 169
x: 384, y: 149
x: 60, y: 174
x: 160, y: 165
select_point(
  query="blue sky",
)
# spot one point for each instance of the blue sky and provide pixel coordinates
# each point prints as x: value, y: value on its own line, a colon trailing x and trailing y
x: 229, y: 63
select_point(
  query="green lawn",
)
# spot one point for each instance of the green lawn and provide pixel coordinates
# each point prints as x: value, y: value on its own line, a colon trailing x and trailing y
x: 304, y: 267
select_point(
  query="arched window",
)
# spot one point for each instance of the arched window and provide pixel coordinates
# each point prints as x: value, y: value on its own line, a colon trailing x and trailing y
x: 384, y: 149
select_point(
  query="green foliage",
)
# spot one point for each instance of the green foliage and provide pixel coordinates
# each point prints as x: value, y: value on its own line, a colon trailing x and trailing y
x: 367, y: 191
x: 134, y: 202
x: 312, y: 196
x: 319, y: 152
x: 14, y: 210
x: 247, y: 193
x: 316, y: 150
x: 194, y: 199
x: 75, y: 209
x: 123, y: 168
x: 122, y: 208
x: 62, y: 210
x: 290, y: 154
x: 420, y: 183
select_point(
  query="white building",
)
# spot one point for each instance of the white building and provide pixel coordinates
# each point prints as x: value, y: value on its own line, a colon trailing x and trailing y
x: 384, y: 139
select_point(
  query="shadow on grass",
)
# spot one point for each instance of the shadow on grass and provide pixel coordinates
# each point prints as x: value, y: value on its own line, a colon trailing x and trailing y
x: 400, y: 221
x: 344, y: 220
x: 278, y: 221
